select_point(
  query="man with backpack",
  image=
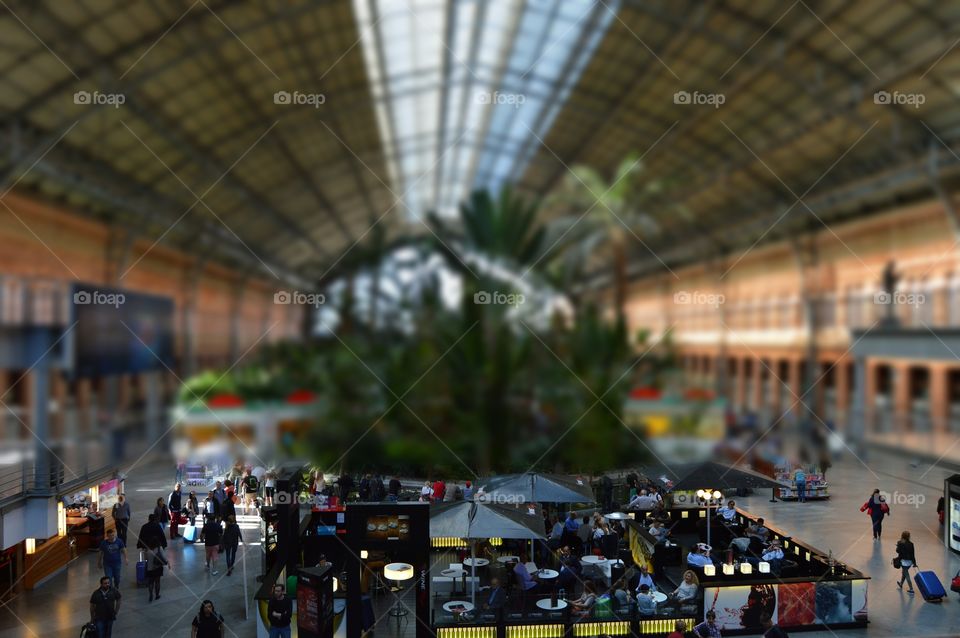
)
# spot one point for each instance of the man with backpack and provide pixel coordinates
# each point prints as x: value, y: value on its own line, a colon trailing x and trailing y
x: 251, y: 486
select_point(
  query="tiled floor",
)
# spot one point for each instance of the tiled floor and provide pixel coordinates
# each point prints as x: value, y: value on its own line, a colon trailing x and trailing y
x: 59, y: 607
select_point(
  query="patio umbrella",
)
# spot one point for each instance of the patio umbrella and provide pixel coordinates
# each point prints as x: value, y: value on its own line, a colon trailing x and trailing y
x: 714, y: 476
x: 534, y: 487
x: 470, y: 520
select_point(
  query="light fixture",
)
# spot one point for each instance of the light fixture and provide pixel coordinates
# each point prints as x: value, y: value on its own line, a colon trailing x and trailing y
x: 398, y: 572
x: 746, y: 568
x: 764, y: 567
x: 727, y: 569
x: 61, y: 519
x: 31, y: 546
x: 336, y: 584
x: 701, y: 494
x: 807, y: 556
x: 717, y: 495
x: 364, y: 554
x: 709, y: 570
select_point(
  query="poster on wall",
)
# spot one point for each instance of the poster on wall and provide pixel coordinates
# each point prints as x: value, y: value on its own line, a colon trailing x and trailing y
x: 954, y: 523
x: 109, y: 492
x: 796, y: 604
x: 834, y: 602
x: 741, y: 607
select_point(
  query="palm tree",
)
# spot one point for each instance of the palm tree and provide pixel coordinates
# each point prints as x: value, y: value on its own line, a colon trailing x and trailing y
x: 602, y: 213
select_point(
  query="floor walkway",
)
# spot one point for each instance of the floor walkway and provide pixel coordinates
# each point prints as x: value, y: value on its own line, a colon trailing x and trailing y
x: 59, y: 607
x: 838, y: 525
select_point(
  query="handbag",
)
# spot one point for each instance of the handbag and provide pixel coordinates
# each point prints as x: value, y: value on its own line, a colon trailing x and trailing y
x: 955, y: 583
x: 897, y: 564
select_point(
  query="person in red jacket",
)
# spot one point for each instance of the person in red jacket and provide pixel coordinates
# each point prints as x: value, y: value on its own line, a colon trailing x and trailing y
x: 439, y: 489
x: 876, y: 506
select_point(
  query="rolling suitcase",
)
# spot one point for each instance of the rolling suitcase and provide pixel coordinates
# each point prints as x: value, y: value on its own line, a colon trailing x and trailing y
x: 190, y: 534
x: 141, y: 571
x: 930, y: 587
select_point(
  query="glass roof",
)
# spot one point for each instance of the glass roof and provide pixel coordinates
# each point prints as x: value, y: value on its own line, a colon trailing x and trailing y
x: 465, y: 89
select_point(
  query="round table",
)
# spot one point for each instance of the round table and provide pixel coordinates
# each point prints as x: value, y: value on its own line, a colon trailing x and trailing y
x: 658, y: 596
x: 508, y: 559
x: 476, y: 562
x: 617, y: 516
x: 592, y: 559
x: 466, y: 604
x: 547, y: 574
x: 545, y: 604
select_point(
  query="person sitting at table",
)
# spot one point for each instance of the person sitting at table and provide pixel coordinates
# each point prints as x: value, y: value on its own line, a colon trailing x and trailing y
x: 658, y: 531
x: 600, y: 530
x: 620, y: 593
x: 774, y: 551
x: 758, y: 530
x: 688, y: 588
x: 699, y: 556
x: 496, y: 597
x: 526, y: 582
x: 645, y: 579
x: 646, y: 605
x: 584, y: 605
x: 728, y: 512
x: 570, y: 568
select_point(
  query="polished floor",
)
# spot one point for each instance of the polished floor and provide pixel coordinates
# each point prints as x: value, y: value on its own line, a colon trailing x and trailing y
x: 59, y: 607
x: 838, y: 525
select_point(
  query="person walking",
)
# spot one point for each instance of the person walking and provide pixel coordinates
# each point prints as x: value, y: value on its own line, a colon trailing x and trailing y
x: 207, y: 623
x: 279, y: 612
x: 113, y: 554
x: 155, y: 564
x: 121, y: 516
x: 181, y: 467
x: 876, y: 506
x: 212, y: 537
x: 211, y: 507
x: 219, y: 493
x: 907, y: 558
x: 162, y: 513
x: 193, y: 508
x: 269, y: 487
x: 231, y: 541
x: 104, y: 607
x: 175, y: 507
x: 800, y: 478
x: 151, y: 534
x: 251, y: 489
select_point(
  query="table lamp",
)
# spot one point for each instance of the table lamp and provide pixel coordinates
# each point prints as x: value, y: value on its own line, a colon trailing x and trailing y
x: 709, y: 570
x: 727, y: 569
x: 398, y: 572
x: 764, y: 567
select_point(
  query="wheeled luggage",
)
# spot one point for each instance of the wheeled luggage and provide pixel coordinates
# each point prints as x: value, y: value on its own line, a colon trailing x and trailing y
x: 190, y: 534
x: 141, y: 571
x: 930, y: 587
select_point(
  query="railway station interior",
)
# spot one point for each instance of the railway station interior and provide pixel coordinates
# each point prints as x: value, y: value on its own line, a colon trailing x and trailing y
x: 475, y: 318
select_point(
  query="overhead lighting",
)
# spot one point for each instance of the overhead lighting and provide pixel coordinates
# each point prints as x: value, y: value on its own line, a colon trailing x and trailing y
x: 364, y: 554
x: 746, y: 568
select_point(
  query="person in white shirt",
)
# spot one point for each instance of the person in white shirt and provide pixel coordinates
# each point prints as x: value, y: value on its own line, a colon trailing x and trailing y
x: 642, y: 501
x: 773, y: 552
x: 688, y: 587
x: 729, y: 512
x: 699, y: 556
x: 658, y: 531
x: 757, y: 529
x: 645, y: 579
x: 426, y: 493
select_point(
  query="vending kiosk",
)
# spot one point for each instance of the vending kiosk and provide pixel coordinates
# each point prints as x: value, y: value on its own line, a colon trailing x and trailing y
x: 315, y: 602
x: 951, y: 506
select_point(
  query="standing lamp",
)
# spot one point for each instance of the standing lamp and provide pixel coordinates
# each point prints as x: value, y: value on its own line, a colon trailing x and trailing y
x: 709, y: 498
x: 398, y: 572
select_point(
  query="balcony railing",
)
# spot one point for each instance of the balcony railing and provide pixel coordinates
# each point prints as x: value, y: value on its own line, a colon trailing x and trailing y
x: 28, y: 301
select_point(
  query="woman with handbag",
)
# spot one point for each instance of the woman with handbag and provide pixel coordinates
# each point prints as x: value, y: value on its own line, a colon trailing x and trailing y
x: 905, y: 559
x: 876, y: 506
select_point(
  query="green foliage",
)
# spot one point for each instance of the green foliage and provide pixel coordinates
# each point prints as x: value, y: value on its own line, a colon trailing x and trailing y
x: 476, y: 388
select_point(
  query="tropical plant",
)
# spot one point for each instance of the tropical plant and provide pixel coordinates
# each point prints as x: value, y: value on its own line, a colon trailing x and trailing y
x: 604, y: 214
